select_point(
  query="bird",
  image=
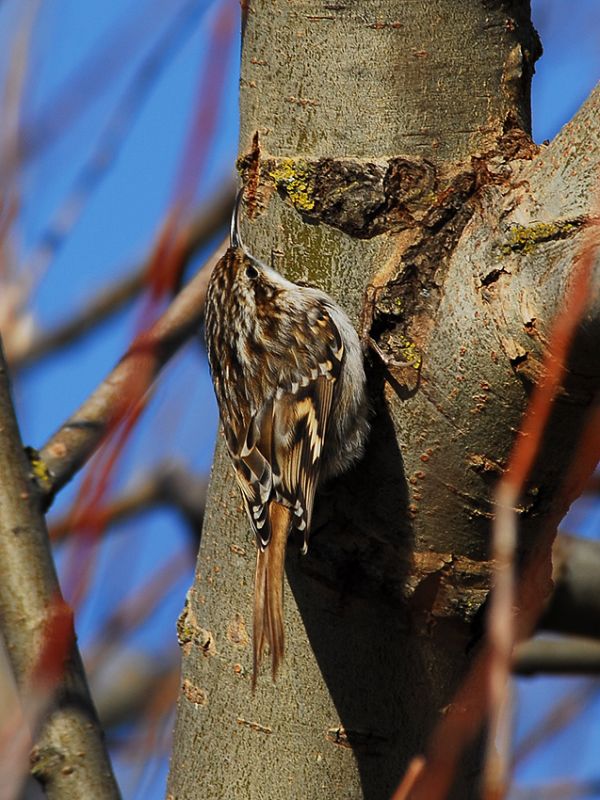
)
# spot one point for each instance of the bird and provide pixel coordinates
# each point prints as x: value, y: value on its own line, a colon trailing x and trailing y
x: 288, y: 372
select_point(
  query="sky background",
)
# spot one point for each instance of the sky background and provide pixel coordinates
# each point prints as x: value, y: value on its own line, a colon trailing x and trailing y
x: 95, y: 49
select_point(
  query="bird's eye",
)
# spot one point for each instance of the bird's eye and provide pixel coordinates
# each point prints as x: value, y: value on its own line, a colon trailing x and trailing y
x: 251, y: 272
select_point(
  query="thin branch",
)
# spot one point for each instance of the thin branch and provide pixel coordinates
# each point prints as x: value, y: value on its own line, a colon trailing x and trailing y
x: 94, y: 76
x: 559, y: 716
x: 80, y: 436
x: 108, y: 302
x: 70, y: 757
x: 111, y: 139
x: 574, y: 655
x: 127, y: 690
x: 168, y: 485
x: 135, y: 610
x: 413, y: 771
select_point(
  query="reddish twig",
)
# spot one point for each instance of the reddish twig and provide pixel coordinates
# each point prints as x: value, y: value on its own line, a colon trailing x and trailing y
x: 411, y: 776
x: 135, y: 609
x: 79, y: 437
x: 204, y: 225
x: 108, y: 145
x: 170, y: 484
x: 93, y: 77
x: 501, y: 627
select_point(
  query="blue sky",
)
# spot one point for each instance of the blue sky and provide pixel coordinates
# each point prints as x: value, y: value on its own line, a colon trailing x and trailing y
x: 116, y: 228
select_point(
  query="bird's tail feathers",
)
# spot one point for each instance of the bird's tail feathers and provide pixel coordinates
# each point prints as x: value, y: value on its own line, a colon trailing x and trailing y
x: 268, y: 591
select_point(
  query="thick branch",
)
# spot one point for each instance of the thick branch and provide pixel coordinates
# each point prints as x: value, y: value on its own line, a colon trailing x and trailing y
x: 71, y: 446
x: 70, y: 759
x: 109, y: 301
x: 574, y: 607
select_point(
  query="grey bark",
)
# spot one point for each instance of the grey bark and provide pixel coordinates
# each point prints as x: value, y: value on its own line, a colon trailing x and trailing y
x: 398, y: 131
x: 69, y: 759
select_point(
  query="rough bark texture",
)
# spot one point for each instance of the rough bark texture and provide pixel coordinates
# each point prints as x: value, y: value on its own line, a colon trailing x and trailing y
x: 70, y: 759
x: 384, y: 147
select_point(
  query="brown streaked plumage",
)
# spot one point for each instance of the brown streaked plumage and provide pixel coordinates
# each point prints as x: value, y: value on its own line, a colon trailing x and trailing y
x: 288, y: 373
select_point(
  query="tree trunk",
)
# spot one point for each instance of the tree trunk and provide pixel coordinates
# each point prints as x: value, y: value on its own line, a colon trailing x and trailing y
x: 385, y: 152
x: 69, y: 758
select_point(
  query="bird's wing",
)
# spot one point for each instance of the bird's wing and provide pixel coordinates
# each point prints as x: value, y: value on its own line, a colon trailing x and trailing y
x: 278, y: 455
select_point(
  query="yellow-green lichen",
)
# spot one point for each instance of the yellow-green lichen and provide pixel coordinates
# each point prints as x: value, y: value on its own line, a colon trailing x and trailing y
x: 296, y: 179
x: 185, y: 633
x: 39, y: 470
x: 524, y: 238
x: 410, y: 352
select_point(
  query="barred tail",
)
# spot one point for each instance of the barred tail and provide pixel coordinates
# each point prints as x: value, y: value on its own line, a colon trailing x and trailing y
x: 268, y: 591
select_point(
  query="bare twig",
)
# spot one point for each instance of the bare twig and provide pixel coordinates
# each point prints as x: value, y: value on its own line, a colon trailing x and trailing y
x: 132, y: 612
x: 23, y: 353
x: 16, y: 321
x: 169, y: 484
x: 414, y: 769
x: 94, y: 76
x: 559, y: 716
x: 196, y: 235
x: 111, y: 139
x: 70, y: 758
x: 567, y: 654
x: 71, y: 446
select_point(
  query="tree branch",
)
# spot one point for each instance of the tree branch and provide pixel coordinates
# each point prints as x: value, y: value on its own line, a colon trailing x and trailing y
x: 112, y: 299
x: 78, y: 438
x: 575, y: 655
x: 574, y: 607
x: 126, y: 691
x: 169, y: 484
x: 70, y: 759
